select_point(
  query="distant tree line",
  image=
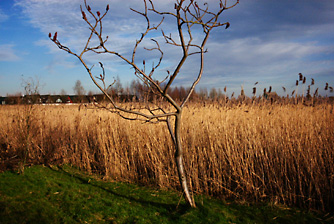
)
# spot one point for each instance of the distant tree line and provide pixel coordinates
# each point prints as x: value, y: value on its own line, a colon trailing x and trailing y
x: 139, y: 92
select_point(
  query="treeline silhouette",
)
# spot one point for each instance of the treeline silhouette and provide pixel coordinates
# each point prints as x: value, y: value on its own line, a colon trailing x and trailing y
x: 142, y: 92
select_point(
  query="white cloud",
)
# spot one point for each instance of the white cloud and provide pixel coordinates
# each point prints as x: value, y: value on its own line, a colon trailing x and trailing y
x: 246, y: 61
x: 256, y: 52
x: 7, y: 53
x: 121, y: 24
x: 3, y: 16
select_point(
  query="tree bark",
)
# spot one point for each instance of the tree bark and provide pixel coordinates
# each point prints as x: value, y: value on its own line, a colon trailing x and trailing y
x: 179, y: 162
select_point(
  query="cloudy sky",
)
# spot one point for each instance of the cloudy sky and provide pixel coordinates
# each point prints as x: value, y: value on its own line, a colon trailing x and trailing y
x: 269, y: 41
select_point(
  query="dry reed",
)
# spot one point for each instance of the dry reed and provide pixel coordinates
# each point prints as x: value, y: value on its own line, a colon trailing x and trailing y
x: 277, y: 153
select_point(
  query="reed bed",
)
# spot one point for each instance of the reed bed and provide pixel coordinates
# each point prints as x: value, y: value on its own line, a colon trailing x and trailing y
x: 276, y: 153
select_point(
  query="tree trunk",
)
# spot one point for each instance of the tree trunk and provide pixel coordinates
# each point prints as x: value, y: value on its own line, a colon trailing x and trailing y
x: 179, y: 162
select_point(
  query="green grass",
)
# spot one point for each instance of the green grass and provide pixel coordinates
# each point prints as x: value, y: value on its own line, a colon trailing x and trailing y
x: 67, y: 195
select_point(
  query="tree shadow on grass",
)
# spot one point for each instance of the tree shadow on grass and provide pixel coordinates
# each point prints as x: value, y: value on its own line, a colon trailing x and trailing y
x: 170, y: 211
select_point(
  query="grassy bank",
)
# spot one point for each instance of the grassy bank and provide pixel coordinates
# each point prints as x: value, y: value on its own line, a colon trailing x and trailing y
x: 66, y: 195
x: 256, y: 153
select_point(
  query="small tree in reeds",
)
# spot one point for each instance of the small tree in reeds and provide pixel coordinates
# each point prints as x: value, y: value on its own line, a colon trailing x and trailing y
x: 190, y: 16
x: 28, y: 118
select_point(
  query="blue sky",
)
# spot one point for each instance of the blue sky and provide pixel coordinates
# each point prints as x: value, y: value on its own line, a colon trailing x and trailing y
x: 269, y: 41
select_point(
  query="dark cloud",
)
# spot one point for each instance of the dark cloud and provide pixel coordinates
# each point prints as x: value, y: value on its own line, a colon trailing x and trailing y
x: 277, y: 19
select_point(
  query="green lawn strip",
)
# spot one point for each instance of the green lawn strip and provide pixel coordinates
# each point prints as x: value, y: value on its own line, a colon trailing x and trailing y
x: 67, y: 195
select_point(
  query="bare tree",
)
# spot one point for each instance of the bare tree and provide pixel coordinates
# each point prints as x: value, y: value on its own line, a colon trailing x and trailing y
x: 116, y: 89
x: 31, y: 89
x: 63, y: 92
x: 189, y: 16
x: 78, y: 88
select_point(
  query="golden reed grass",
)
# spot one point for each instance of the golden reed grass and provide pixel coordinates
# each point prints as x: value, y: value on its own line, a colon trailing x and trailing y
x: 277, y: 153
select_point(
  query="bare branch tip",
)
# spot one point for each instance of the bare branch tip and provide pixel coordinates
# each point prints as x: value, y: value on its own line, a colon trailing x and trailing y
x: 227, y: 25
x: 54, y: 37
x: 84, y: 15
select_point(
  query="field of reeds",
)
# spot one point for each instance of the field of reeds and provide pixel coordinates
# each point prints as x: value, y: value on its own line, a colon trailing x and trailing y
x: 273, y: 153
